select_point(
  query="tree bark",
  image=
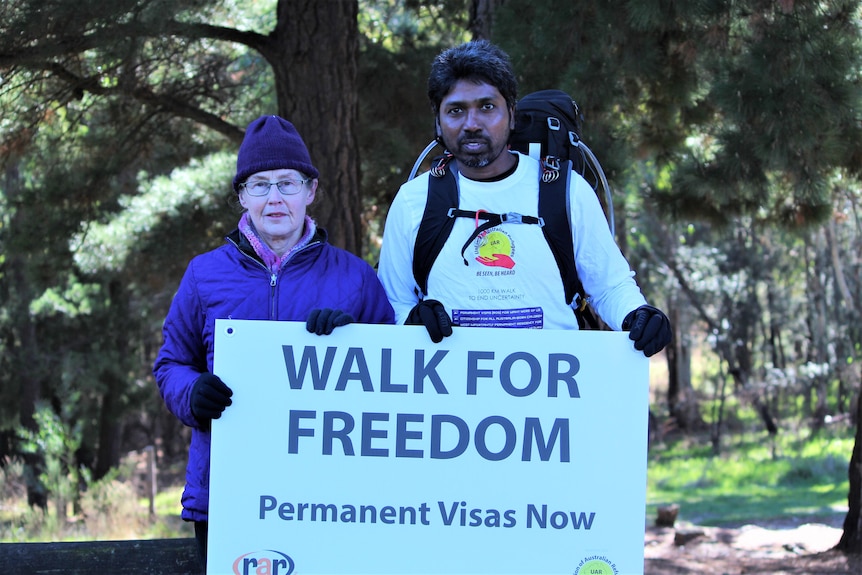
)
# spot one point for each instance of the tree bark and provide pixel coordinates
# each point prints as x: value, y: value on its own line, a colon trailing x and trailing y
x: 25, y: 365
x: 112, y: 412
x: 682, y: 401
x: 314, y: 54
x: 851, y: 538
x: 818, y: 320
x: 482, y: 18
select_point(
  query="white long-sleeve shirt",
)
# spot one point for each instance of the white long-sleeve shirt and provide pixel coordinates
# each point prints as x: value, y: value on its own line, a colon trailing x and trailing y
x: 511, y: 278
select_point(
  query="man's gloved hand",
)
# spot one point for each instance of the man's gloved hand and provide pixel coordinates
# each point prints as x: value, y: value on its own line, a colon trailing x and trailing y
x: 433, y: 316
x: 209, y: 397
x: 323, y: 321
x: 649, y: 328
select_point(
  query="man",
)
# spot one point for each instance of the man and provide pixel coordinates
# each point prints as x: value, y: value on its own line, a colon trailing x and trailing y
x: 506, y: 275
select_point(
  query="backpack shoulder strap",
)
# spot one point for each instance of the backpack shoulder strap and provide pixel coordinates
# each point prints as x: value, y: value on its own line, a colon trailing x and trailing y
x: 436, y: 224
x: 555, y: 212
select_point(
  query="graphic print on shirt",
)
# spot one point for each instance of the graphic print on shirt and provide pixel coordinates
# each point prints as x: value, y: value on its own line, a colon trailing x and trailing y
x: 494, y: 248
x: 496, y: 305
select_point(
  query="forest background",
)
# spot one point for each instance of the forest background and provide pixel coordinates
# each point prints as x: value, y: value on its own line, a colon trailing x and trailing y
x: 730, y: 133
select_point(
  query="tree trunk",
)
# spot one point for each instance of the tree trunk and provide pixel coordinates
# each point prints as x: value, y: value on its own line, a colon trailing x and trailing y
x: 681, y: 399
x: 26, y: 376
x: 110, y: 434
x: 818, y: 350
x: 19, y: 297
x: 851, y: 538
x: 114, y: 379
x: 314, y: 57
x: 482, y: 18
x: 843, y: 257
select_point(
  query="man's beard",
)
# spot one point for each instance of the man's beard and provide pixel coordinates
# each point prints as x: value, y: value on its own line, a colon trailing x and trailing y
x: 473, y: 161
x: 479, y: 160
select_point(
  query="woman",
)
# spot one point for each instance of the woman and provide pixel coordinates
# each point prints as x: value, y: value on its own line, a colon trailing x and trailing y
x: 277, y: 265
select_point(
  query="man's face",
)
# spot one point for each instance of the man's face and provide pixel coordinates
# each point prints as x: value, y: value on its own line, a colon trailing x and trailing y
x: 474, y: 122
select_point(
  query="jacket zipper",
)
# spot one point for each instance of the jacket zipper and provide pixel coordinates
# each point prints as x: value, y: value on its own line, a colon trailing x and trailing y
x: 273, y: 280
x: 273, y: 276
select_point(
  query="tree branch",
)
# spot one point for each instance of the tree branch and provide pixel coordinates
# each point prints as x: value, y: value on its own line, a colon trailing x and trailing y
x: 39, y: 51
x: 145, y: 94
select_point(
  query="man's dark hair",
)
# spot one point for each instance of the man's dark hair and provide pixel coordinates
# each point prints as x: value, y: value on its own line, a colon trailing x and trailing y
x: 477, y: 61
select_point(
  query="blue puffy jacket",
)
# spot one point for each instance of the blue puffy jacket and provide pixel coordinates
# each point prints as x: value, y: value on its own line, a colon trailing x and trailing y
x: 231, y: 281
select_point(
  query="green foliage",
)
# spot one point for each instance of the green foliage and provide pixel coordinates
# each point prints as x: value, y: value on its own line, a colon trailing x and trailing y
x: 785, y: 93
x: 93, y: 233
x: 198, y: 186
x: 755, y: 103
x: 398, y: 26
x: 56, y: 442
x: 75, y: 299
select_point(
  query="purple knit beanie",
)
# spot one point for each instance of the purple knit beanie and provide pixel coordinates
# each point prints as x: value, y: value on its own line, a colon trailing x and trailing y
x: 271, y: 143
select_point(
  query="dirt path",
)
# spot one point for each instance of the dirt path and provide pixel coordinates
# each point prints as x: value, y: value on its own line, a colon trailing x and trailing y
x: 778, y: 550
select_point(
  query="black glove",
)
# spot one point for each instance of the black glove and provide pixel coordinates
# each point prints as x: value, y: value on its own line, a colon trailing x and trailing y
x: 649, y: 329
x: 323, y: 321
x: 433, y: 316
x: 209, y: 398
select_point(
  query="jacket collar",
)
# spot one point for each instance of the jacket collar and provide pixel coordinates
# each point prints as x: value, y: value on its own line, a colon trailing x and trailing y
x: 243, y: 245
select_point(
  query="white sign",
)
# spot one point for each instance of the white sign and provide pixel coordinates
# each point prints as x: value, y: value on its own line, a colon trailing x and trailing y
x: 374, y: 451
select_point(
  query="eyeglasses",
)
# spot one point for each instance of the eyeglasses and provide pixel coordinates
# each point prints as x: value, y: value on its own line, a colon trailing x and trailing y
x: 260, y: 188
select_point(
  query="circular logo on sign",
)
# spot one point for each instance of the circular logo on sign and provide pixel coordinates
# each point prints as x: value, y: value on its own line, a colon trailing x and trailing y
x: 596, y: 567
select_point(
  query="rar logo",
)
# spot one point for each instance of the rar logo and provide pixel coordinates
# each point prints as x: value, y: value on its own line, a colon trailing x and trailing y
x: 264, y: 562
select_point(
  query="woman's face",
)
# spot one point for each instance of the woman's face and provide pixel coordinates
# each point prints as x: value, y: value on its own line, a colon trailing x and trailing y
x: 278, y: 218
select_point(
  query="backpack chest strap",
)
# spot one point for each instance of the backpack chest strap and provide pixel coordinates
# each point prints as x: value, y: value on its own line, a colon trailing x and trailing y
x: 491, y: 220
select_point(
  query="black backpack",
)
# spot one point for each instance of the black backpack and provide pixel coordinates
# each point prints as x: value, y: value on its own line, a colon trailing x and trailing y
x: 547, y: 127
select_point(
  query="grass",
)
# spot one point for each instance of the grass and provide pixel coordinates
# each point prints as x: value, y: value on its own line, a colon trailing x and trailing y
x: 757, y: 481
